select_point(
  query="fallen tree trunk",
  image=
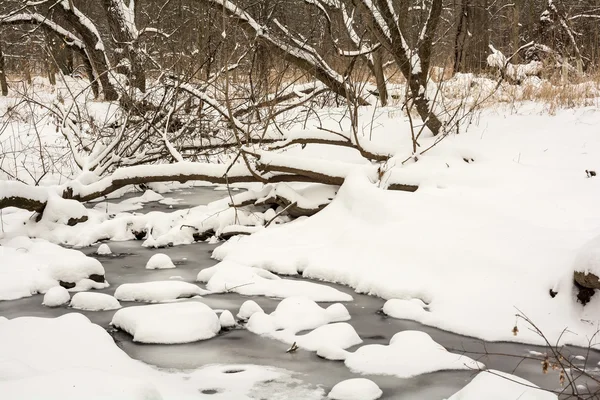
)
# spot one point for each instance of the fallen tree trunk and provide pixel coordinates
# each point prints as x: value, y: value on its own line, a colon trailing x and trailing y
x: 275, y: 168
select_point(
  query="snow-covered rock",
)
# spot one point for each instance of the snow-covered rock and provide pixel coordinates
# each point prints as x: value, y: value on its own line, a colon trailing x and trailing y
x: 160, y: 261
x: 404, y: 309
x: 355, y: 389
x: 587, y: 265
x: 497, y: 385
x: 232, y: 277
x: 410, y: 353
x: 333, y: 353
x: 248, y: 308
x: 94, y: 302
x: 296, y: 314
x: 339, y: 335
x: 56, y: 297
x: 103, y: 250
x: 226, y: 319
x: 63, y: 211
x: 168, y: 323
x: 30, y: 266
x: 157, y: 291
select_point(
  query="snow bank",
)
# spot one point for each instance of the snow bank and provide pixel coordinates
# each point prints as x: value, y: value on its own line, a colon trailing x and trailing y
x: 410, y: 353
x: 168, y: 323
x: 56, y: 297
x: 157, y: 291
x: 30, y: 266
x: 227, y: 277
x: 63, y: 211
x: 74, y: 359
x: 497, y: 385
x: 160, y: 261
x: 451, y: 244
x: 94, y: 302
x: 355, y: 389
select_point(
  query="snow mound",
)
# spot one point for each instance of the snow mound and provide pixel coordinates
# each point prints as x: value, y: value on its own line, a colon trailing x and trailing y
x: 333, y: 353
x: 30, y: 266
x: 56, y: 296
x: 157, y: 291
x: 248, y: 281
x: 340, y: 335
x: 103, y: 250
x: 296, y: 314
x: 404, y: 309
x: 355, y: 389
x: 248, y: 308
x: 496, y: 385
x: 63, y: 211
x: 410, y: 353
x: 226, y: 319
x: 588, y: 258
x: 160, y: 261
x: 168, y: 323
x: 94, y: 302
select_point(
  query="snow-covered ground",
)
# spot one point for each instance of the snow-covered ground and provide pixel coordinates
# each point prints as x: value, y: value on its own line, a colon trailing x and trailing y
x: 505, y: 212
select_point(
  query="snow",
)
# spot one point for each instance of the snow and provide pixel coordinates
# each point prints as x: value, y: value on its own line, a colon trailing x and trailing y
x: 70, y: 358
x: 588, y: 258
x: 60, y: 211
x: 30, y: 266
x: 168, y: 323
x: 56, y: 297
x: 476, y: 240
x: 355, y: 389
x: 339, y: 335
x: 157, y: 291
x: 94, y: 302
x: 248, y: 308
x: 497, y: 385
x: 295, y: 314
x: 410, y: 353
x: 226, y: 319
x: 160, y: 261
x: 103, y: 250
x: 404, y: 309
x: 228, y: 277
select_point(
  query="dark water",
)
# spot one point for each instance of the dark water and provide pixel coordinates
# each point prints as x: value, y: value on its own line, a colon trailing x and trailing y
x: 243, y: 347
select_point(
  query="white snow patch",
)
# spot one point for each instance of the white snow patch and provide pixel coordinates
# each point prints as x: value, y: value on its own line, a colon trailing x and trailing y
x: 248, y: 308
x: 168, y: 323
x: 497, y: 385
x: 103, y: 250
x: 160, y: 261
x: 157, y: 291
x: 74, y: 359
x: 94, y: 302
x: 229, y: 277
x: 355, y: 389
x: 226, y: 319
x: 410, y: 353
x: 56, y: 297
x: 404, y: 309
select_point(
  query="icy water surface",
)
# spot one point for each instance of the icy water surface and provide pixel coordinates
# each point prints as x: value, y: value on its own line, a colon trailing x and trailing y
x: 243, y: 347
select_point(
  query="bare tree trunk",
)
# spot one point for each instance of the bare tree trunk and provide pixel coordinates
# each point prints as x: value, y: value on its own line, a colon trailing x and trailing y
x: 121, y: 20
x: 3, y: 82
x: 380, y: 77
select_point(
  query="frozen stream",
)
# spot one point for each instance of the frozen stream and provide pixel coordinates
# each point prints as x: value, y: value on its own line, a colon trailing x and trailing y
x: 243, y: 347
